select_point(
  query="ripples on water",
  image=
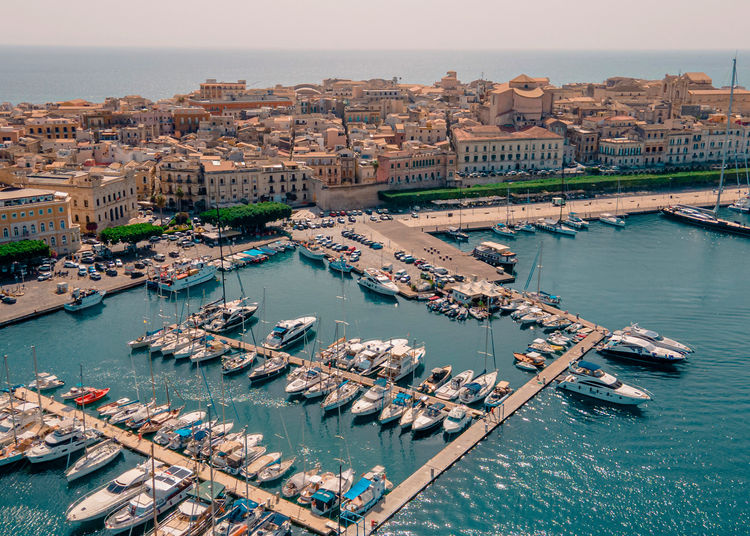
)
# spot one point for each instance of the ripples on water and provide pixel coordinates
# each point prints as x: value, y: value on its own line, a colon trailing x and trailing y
x: 561, y: 465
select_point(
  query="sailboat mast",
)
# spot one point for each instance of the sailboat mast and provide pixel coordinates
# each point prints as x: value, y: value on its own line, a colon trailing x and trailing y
x: 726, y: 136
x: 221, y: 256
x: 539, y: 271
x: 11, y: 396
x: 38, y: 389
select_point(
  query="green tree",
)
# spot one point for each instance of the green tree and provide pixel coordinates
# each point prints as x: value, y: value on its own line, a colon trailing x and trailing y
x: 131, y: 234
x: 180, y: 195
x: 22, y: 251
x: 161, y: 202
x: 248, y: 218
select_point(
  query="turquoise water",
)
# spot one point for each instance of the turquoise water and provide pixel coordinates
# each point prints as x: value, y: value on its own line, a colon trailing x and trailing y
x: 46, y: 74
x: 562, y: 465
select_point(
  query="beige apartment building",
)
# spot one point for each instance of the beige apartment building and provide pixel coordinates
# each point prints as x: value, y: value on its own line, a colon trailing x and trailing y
x: 621, y: 152
x: 491, y: 149
x: 51, y: 128
x: 36, y: 214
x: 99, y: 198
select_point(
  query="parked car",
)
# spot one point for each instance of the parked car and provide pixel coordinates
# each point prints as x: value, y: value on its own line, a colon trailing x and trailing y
x: 118, y: 263
x: 139, y: 265
x: 111, y: 272
x: 174, y: 254
x: 44, y: 276
x: 82, y: 271
x: 96, y: 276
x: 159, y: 257
x: 136, y: 274
x: 70, y: 264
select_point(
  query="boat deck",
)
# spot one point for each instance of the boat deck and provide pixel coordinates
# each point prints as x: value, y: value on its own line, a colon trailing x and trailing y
x: 299, y: 515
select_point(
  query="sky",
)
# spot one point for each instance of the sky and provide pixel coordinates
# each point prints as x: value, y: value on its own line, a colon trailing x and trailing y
x: 380, y: 24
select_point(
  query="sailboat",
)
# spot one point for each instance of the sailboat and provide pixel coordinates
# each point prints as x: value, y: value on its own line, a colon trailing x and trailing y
x: 504, y: 229
x: 706, y: 218
x: 456, y: 232
x: 610, y: 219
x: 540, y: 295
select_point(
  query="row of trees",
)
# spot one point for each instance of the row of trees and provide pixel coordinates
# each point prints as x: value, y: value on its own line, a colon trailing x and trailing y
x: 249, y: 218
x: 130, y: 234
x: 23, y: 250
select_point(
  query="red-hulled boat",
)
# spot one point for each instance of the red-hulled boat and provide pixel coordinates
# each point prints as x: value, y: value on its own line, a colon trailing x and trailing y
x: 92, y: 396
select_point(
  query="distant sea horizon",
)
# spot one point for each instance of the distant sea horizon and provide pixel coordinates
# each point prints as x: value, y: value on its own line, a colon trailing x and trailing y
x: 40, y: 74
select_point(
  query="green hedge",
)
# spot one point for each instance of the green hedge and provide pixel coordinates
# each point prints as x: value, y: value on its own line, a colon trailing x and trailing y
x: 22, y: 251
x: 248, y: 217
x: 588, y: 183
x: 131, y: 234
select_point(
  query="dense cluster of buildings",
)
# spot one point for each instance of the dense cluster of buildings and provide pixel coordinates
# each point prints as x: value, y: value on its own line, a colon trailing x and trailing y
x: 340, y: 142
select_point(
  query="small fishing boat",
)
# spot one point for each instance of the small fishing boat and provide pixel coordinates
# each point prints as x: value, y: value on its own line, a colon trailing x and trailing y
x: 94, y: 459
x: 326, y: 499
x: 45, y: 382
x: 312, y: 251
x: 458, y: 418
x: 237, y: 362
x: 275, y: 470
x: 396, y: 408
x: 76, y: 392
x: 534, y: 358
x: 437, y: 378
x: 411, y: 412
x: 498, y: 395
x: 573, y: 220
x: 341, y: 265
x: 83, y: 299
x: 609, y: 219
x: 457, y: 234
x: 364, y: 494
x: 526, y: 227
x: 429, y: 417
x: 503, y: 230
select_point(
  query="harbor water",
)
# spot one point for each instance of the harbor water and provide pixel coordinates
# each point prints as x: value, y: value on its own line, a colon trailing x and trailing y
x: 562, y: 465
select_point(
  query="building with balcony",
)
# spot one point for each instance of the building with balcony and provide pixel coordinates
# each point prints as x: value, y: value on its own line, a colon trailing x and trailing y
x: 624, y: 153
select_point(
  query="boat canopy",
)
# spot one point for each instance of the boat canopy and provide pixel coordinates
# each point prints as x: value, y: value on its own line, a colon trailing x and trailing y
x: 437, y: 406
x: 204, y: 491
x: 382, y: 382
x: 588, y: 365
x: 324, y: 496
x: 473, y: 387
x: 357, y: 489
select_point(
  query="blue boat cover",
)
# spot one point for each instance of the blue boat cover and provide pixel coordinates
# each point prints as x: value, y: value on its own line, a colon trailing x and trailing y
x: 357, y: 489
x: 324, y: 496
x: 473, y: 387
x: 381, y: 381
x: 588, y: 365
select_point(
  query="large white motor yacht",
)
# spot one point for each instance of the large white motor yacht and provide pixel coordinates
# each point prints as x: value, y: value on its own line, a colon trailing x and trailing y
x: 590, y: 380
x: 287, y: 332
x: 377, y: 281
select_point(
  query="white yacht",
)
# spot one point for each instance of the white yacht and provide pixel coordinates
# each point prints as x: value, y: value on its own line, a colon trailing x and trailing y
x: 364, y: 494
x: 458, y: 418
x: 589, y: 379
x: 609, y: 219
x: 377, y: 281
x: 94, y: 459
x: 652, y: 336
x: 741, y: 205
x: 211, y: 350
x: 342, y: 395
x: 478, y: 388
x: 396, y: 408
x: 231, y: 315
x: 46, y: 382
x: 304, y: 380
x: 629, y: 347
x: 21, y: 417
x: 402, y: 361
x: 83, y: 299
x: 287, y: 332
x: 169, y: 488
x: 185, y: 275
x: 312, y: 251
x: 111, y: 495
x: 66, y: 440
x: 450, y: 390
x: 374, y: 353
x: 373, y: 400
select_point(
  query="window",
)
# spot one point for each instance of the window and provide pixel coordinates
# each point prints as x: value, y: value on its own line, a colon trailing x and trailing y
x: 41, y: 227
x: 51, y: 226
x: 5, y: 232
x: 33, y: 228
x: 62, y: 224
x: 52, y: 241
x: 60, y: 209
x: 49, y: 211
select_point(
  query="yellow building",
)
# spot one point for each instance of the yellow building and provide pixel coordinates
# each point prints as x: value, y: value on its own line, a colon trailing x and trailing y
x: 33, y: 214
x: 52, y: 128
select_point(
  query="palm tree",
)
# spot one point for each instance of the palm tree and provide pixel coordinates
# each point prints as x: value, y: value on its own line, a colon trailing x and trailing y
x: 179, y: 194
x: 161, y: 201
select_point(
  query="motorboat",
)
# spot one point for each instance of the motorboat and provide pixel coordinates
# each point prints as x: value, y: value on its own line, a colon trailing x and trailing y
x: 741, y: 205
x: 377, y: 281
x: 155, y: 422
x: 554, y: 227
x: 525, y: 227
x: 297, y: 482
x: 252, y: 469
x: 457, y: 234
x: 76, y: 392
x: 498, y: 395
x: 112, y: 495
x: 503, y: 230
x: 130, y: 410
x: 372, y: 354
x: 287, y: 332
x: 364, y: 494
x: 411, y: 412
x: 555, y: 322
x: 534, y: 359
x: 92, y: 396
x: 163, y: 491
x: 193, y: 516
x: 575, y: 221
x: 609, y: 219
x: 543, y: 347
x: 273, y: 524
x: 523, y: 310
x: 478, y: 388
x: 110, y: 408
x: 95, y: 458
x: 437, y: 378
x: 237, y: 362
x: 590, y: 380
x: 458, y: 418
x: 558, y: 339
x: 184, y: 275
x: 341, y: 265
x: 84, y: 298
x: 326, y: 498
x: 136, y: 419
x: 526, y: 365
x: 342, y: 395
x: 450, y: 390
x: 636, y: 348
x: 653, y: 337
x: 544, y: 297
x: 402, y: 361
x: 306, y: 378
x: 243, y: 516
x: 270, y: 368
x: 211, y: 350
x: 64, y: 441
x: 534, y: 317
x: 231, y: 316
x: 374, y: 399
x: 429, y: 417
x: 396, y: 408
x: 146, y: 340
x: 311, y: 250
x: 45, y: 381
x: 275, y: 470
x: 16, y: 420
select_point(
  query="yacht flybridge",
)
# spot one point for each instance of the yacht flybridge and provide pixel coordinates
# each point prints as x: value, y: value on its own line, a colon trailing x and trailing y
x: 590, y: 380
